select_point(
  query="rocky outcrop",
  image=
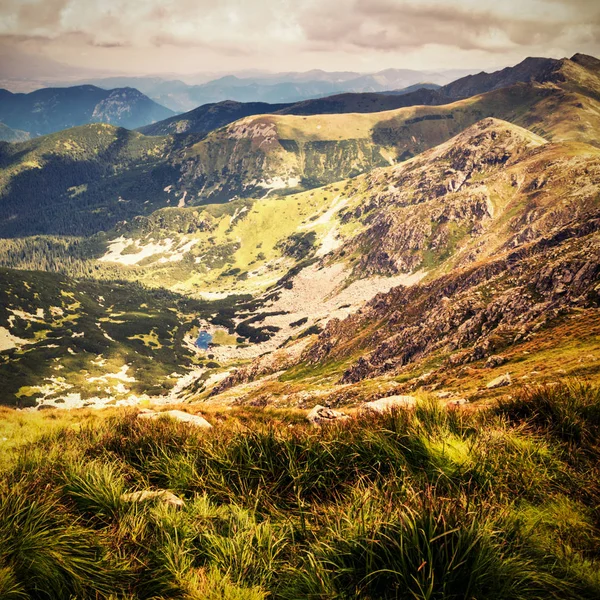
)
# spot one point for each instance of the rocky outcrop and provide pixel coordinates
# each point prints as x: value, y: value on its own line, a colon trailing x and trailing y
x: 320, y: 415
x: 281, y: 359
x: 388, y: 404
x: 473, y: 313
x: 418, y: 213
x: 500, y: 381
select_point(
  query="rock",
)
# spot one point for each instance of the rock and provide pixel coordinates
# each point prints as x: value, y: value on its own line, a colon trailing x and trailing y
x: 391, y: 402
x: 178, y: 415
x: 321, y: 414
x: 147, y: 495
x: 444, y: 394
x: 457, y: 402
x: 495, y: 361
x: 499, y: 382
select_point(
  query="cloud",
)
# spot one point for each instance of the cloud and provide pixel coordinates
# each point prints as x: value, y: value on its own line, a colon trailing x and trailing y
x: 264, y: 32
x: 151, y: 22
x: 400, y: 25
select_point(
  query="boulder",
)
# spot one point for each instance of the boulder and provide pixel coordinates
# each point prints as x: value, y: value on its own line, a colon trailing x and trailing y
x: 499, y: 382
x: 391, y: 402
x: 178, y: 415
x: 146, y: 495
x: 321, y: 414
x: 457, y: 402
x: 495, y: 361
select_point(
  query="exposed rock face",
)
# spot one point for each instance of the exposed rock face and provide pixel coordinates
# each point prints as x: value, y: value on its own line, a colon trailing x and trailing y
x: 321, y: 414
x: 495, y: 361
x: 473, y: 313
x: 264, y: 365
x: 535, y: 259
x: 419, y: 211
x: 507, y: 223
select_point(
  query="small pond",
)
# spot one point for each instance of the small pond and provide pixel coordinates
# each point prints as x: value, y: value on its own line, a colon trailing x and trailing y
x: 204, y: 340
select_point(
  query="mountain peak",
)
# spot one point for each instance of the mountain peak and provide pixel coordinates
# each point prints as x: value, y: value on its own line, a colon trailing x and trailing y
x: 585, y: 60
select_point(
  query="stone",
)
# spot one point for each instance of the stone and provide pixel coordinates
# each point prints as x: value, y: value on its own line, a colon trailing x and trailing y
x: 165, y: 496
x: 501, y: 381
x: 495, y: 361
x: 177, y: 415
x: 321, y: 414
x: 457, y: 402
x: 391, y: 402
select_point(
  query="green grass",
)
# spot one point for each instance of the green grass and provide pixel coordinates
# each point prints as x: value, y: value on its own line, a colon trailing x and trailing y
x: 425, y: 504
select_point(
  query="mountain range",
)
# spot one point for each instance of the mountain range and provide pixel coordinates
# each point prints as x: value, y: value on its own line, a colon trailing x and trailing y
x: 342, y: 249
x: 274, y: 88
x: 205, y: 118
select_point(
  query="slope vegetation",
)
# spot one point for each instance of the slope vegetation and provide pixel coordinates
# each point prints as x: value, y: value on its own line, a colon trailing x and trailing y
x: 80, y: 181
x: 67, y: 343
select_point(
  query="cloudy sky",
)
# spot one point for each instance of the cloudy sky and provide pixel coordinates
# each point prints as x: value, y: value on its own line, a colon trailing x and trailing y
x: 188, y: 36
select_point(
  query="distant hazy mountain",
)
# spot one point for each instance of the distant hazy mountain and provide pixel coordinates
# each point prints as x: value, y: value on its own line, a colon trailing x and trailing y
x: 12, y: 135
x: 275, y: 87
x: 52, y: 109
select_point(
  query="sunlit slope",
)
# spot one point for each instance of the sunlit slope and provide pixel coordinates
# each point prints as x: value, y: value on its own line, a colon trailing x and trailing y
x: 286, y: 152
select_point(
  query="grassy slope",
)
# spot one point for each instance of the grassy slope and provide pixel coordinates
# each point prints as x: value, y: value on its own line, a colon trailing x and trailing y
x: 430, y: 503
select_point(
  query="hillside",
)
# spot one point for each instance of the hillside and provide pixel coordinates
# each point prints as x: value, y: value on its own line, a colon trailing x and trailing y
x: 72, y: 343
x: 52, y: 109
x: 81, y: 180
x: 293, y: 152
x: 490, y: 251
x: 539, y: 70
x: 208, y: 117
